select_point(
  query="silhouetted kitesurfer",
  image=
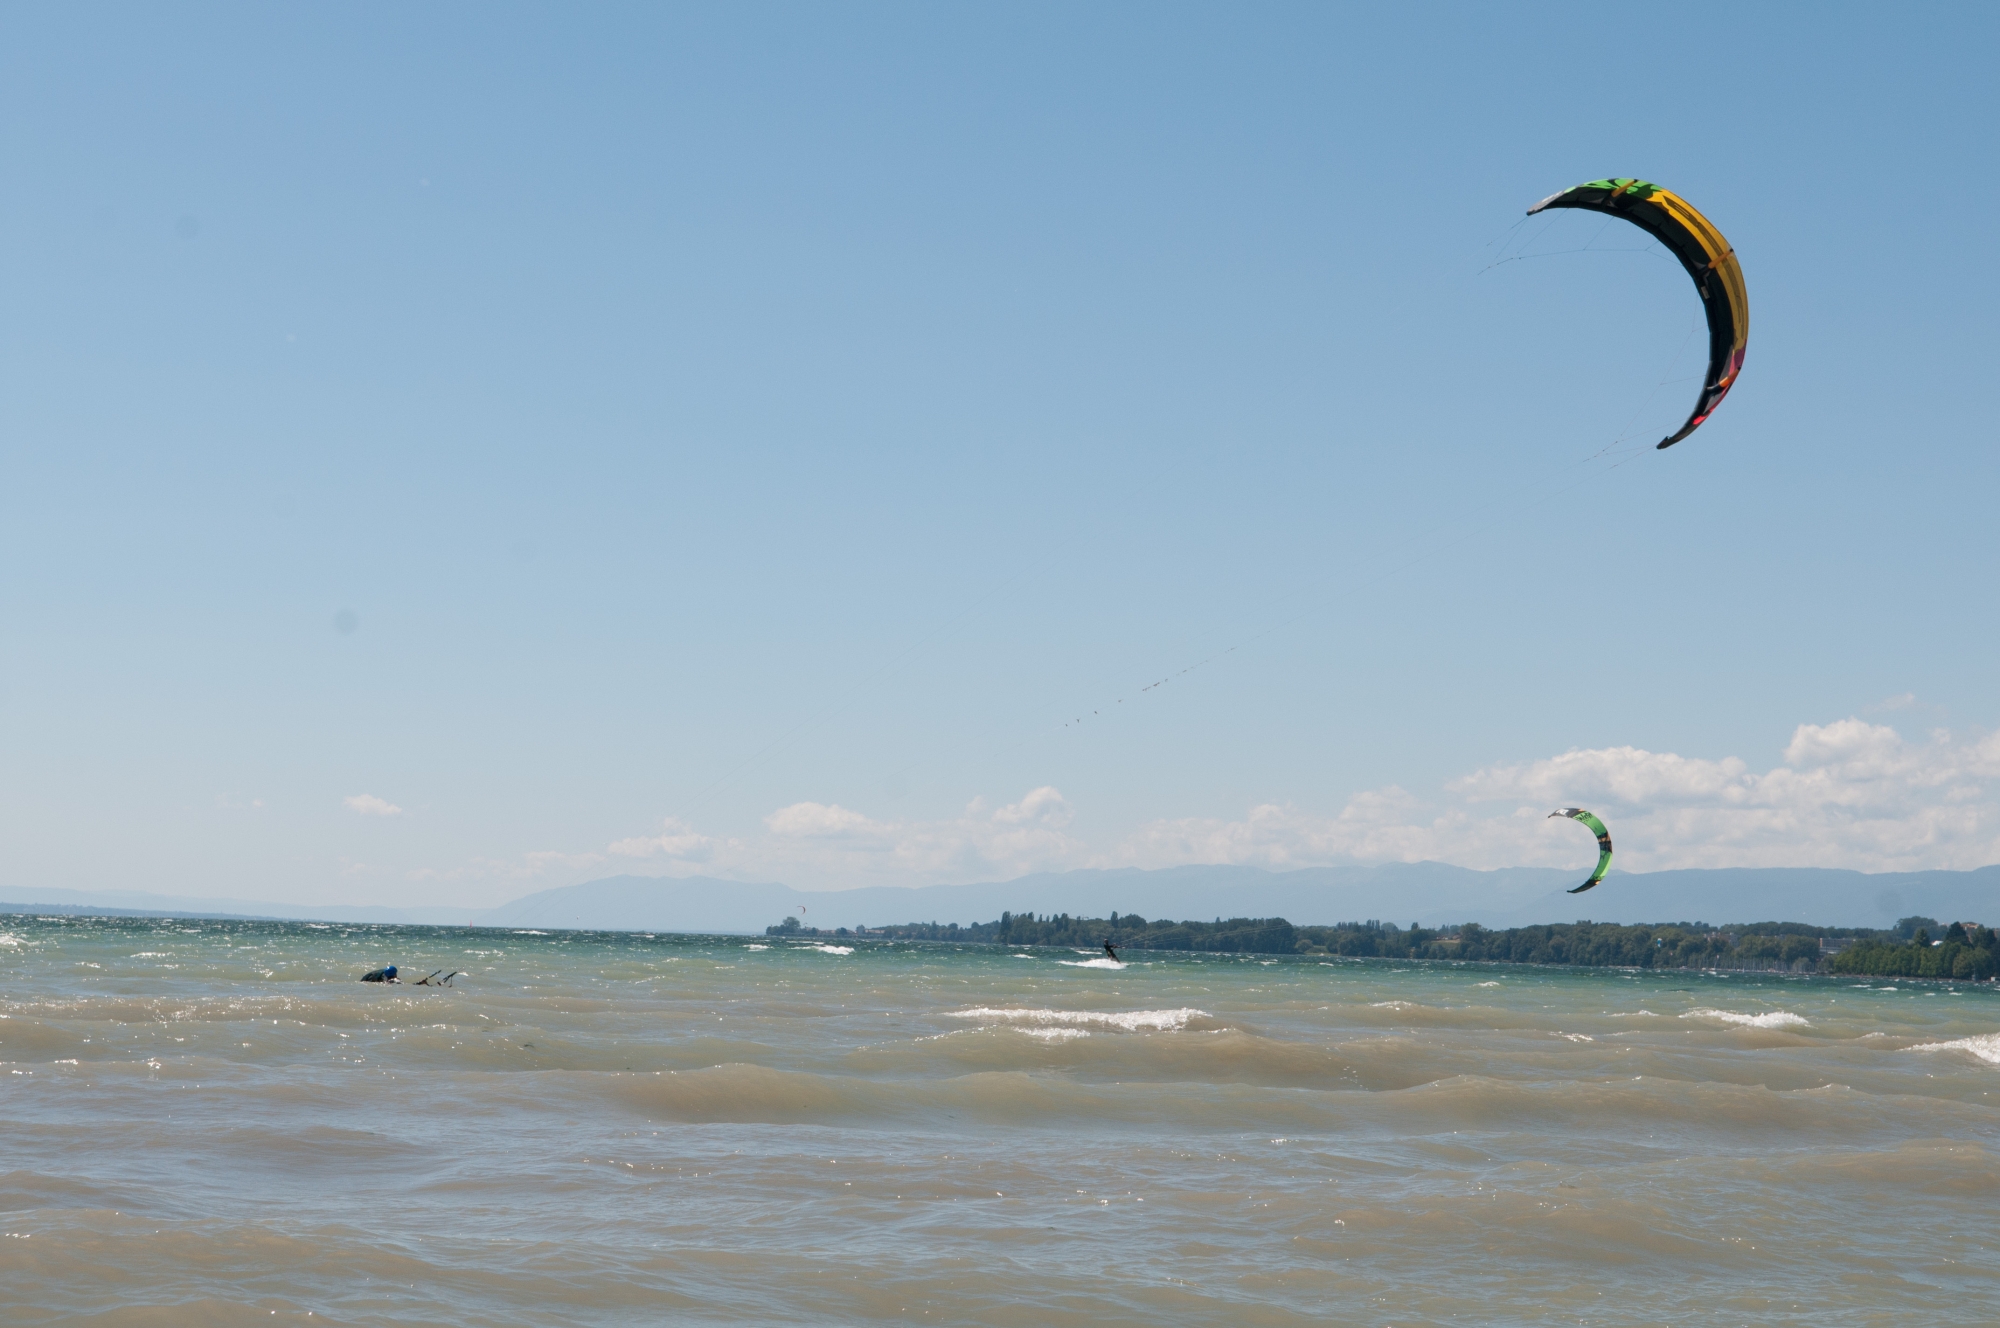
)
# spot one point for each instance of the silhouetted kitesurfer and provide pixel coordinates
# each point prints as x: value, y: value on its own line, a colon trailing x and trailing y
x: 387, y: 974
x: 1108, y: 950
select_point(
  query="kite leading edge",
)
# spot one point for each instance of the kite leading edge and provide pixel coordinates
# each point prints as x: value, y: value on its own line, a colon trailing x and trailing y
x: 1603, y: 843
x: 1708, y: 258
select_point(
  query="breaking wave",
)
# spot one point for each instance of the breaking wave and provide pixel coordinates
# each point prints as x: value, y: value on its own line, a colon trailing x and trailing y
x: 1124, y: 1021
x: 1986, y: 1046
x: 1768, y: 1019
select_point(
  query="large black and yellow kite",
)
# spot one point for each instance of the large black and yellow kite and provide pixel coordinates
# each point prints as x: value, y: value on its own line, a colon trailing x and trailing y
x: 1673, y: 221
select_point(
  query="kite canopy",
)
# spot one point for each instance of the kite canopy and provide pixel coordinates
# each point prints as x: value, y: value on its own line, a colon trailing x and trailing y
x: 1603, y: 843
x: 1672, y: 220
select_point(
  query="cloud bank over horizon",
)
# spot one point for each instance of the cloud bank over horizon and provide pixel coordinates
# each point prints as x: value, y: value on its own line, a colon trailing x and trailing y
x: 1847, y: 794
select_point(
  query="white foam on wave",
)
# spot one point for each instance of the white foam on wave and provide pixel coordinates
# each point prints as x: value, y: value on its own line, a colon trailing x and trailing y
x: 1768, y: 1019
x: 1633, y: 1014
x: 1483, y: 984
x: 1125, y: 1021
x: 1392, y: 1005
x: 1986, y: 1046
x: 756, y: 947
x: 827, y: 949
x: 530, y: 932
x: 1090, y: 963
x: 8, y: 938
x: 1577, y: 1037
x: 1054, y: 1034
x: 1020, y: 956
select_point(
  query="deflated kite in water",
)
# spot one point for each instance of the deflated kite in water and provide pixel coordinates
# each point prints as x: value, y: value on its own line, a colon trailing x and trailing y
x: 1670, y: 219
x: 1603, y: 843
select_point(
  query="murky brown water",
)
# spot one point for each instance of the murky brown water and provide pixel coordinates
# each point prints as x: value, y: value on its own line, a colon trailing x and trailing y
x: 210, y: 1123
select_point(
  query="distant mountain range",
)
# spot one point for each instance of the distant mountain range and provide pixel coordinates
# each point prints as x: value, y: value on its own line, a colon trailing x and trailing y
x: 1432, y: 893
x: 140, y: 904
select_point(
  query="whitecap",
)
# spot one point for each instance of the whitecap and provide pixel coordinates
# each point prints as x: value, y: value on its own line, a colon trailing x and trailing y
x: 1020, y: 956
x: 1392, y: 1005
x: 1054, y: 1034
x: 1089, y: 963
x: 531, y: 933
x: 827, y: 949
x: 756, y: 947
x: 1577, y: 1037
x: 1128, y: 1021
x: 1986, y: 1046
x: 1483, y: 984
x: 1768, y: 1019
x: 1634, y: 1014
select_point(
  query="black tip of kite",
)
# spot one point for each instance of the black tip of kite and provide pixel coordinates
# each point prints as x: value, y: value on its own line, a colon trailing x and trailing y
x: 1664, y: 444
x: 1581, y: 888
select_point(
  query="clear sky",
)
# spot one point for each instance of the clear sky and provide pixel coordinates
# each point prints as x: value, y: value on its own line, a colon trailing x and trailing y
x: 453, y: 450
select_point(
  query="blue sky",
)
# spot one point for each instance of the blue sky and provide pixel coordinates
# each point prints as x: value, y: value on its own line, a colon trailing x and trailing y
x: 454, y: 450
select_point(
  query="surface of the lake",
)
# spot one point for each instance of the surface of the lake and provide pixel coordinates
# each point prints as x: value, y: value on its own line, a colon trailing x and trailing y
x: 212, y: 1123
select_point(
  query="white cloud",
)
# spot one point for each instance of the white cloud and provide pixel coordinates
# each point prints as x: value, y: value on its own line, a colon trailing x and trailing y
x: 677, y: 842
x: 1043, y: 806
x: 1847, y: 794
x: 815, y: 843
x: 1624, y: 774
x: 815, y: 820
x: 369, y: 805
x: 1382, y: 825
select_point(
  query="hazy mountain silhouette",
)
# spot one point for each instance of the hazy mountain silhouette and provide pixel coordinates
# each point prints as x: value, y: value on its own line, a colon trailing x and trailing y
x: 1432, y: 893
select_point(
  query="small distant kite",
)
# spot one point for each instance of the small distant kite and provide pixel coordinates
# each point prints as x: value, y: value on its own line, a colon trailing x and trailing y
x: 1708, y: 258
x: 1603, y: 843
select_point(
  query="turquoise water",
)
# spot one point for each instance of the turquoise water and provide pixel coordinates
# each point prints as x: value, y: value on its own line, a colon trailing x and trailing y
x: 212, y: 1122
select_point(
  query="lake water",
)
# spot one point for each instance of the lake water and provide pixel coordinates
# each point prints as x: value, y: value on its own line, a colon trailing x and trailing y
x: 212, y: 1123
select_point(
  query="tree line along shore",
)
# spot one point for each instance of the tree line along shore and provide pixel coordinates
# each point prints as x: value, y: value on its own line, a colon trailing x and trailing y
x: 1916, y: 947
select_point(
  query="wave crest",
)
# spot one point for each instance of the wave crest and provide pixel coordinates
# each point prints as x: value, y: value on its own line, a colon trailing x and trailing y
x: 1986, y: 1046
x: 1124, y: 1021
x: 1768, y: 1019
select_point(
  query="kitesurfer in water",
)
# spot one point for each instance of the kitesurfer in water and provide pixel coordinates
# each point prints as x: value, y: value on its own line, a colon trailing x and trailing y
x: 388, y: 974
x: 1108, y: 950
